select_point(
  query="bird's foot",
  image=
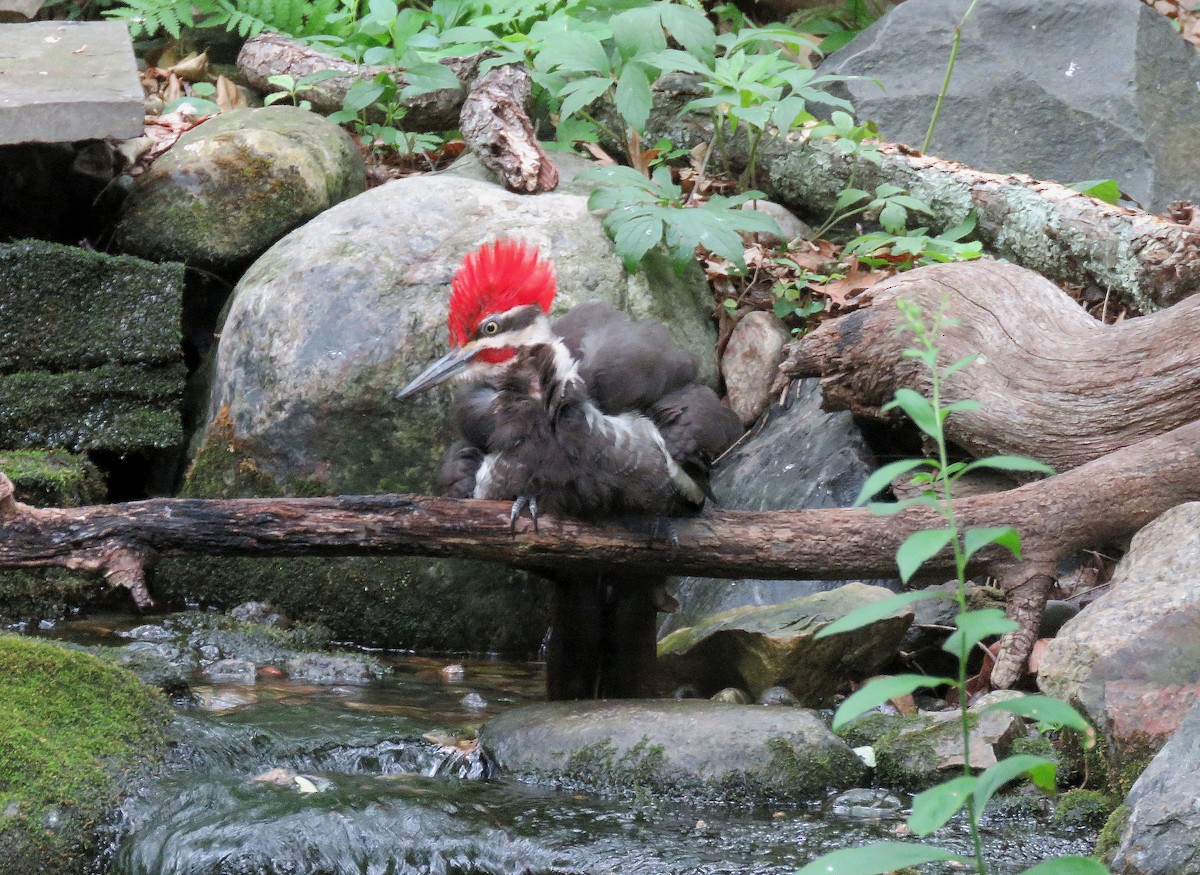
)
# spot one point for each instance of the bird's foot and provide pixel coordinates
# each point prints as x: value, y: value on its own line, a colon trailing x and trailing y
x: 657, y: 529
x: 523, y: 502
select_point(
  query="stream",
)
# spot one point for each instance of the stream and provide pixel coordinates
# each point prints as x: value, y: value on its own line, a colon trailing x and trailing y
x: 282, y: 777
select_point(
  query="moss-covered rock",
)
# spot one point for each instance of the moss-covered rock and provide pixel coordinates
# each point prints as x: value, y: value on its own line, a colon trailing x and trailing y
x: 694, y: 749
x: 90, y: 354
x: 74, y: 731
x: 237, y: 183
x: 47, y: 478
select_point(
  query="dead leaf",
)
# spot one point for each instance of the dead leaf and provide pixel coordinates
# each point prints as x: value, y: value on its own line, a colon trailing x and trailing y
x: 602, y: 157
x: 229, y: 96
x: 193, y: 68
x: 80, y: 50
x: 173, y: 91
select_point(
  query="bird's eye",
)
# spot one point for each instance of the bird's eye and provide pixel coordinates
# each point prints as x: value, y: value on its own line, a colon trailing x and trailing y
x: 490, y: 327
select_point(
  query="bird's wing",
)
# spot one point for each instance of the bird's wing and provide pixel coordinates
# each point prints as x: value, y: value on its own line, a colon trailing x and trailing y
x: 626, y: 364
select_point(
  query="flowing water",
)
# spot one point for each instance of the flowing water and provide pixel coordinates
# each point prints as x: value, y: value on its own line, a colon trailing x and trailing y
x: 283, y: 778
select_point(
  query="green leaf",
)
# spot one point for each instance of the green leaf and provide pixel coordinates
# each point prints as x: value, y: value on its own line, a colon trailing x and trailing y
x: 579, y: 93
x: 1106, y: 190
x: 974, y: 626
x: 849, y: 197
x: 1011, y: 463
x: 574, y: 52
x: 690, y: 27
x: 1044, y: 709
x: 675, y: 60
x: 1006, y: 536
x: 933, y: 807
x: 880, y: 690
x: 1068, y: 866
x: 890, y: 508
x: 918, y: 409
x: 882, y: 479
x: 636, y: 236
x: 634, y: 96
x: 424, y: 78
x: 877, y: 858
x: 1039, y: 769
x: 893, y: 217
x: 919, y: 547
x: 637, y: 32
x: 877, y: 610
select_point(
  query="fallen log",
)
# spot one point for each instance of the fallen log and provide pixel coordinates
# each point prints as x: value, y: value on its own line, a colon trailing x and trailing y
x: 272, y: 54
x: 1052, y: 382
x: 497, y: 129
x: 1095, y: 503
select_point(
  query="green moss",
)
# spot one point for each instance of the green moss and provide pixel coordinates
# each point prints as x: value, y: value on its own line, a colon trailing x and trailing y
x: 640, y: 769
x: 29, y: 595
x: 1110, y: 836
x: 73, y: 730
x: 52, y: 478
x: 64, y: 308
x: 1089, y: 808
x: 115, y: 407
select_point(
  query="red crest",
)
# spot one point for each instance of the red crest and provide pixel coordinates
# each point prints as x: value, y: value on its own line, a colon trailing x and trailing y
x: 494, y: 278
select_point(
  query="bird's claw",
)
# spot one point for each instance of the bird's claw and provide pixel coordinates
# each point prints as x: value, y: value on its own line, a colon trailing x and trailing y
x: 519, y: 505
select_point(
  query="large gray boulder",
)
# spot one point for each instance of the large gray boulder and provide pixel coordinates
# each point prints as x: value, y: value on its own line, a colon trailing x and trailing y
x: 321, y: 333
x: 327, y: 326
x: 702, y: 750
x: 1131, y: 658
x: 1159, y: 837
x: 1068, y: 91
x: 237, y: 183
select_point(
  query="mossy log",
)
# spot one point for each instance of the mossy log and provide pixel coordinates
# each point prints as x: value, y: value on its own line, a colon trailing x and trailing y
x: 1094, y: 503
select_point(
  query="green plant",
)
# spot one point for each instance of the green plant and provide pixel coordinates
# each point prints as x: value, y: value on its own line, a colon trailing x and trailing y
x: 914, y: 248
x: 933, y: 808
x: 291, y: 87
x: 380, y: 98
x: 247, y: 17
x: 643, y: 212
x: 937, y: 107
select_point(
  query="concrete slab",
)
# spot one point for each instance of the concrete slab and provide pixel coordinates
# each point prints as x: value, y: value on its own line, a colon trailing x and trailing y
x: 62, y: 81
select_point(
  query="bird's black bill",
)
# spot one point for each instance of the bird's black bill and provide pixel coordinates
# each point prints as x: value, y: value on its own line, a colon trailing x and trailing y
x: 448, y: 366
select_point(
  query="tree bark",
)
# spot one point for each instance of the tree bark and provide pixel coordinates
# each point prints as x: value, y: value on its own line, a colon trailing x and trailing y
x: 1052, y: 382
x: 1148, y: 261
x: 497, y: 129
x: 1096, y: 502
x: 272, y: 54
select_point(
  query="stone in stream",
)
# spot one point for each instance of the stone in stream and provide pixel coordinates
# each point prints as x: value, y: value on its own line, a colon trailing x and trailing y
x: 689, y: 748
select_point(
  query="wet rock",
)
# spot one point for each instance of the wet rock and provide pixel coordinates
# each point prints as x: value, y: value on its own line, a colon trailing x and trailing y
x: 224, y: 700
x: 759, y: 647
x: 259, y: 612
x: 1159, y: 837
x: 91, y: 358
x: 53, y: 478
x: 921, y: 750
x: 235, y: 671
x: 1130, y: 659
x: 235, y: 184
x: 801, y: 458
x: 320, y: 668
x: 867, y: 804
x: 777, y: 696
x: 751, y: 359
x: 732, y: 696
x: 473, y: 702
x: 1097, y: 89
x: 689, y: 748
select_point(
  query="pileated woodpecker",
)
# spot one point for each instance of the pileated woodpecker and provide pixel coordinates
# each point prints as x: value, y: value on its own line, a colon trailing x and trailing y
x: 593, y: 415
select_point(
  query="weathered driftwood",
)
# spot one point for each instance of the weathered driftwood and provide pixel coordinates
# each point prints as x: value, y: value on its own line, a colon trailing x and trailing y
x: 272, y: 54
x: 1146, y: 260
x: 1104, y: 499
x: 497, y: 129
x: 1052, y: 382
